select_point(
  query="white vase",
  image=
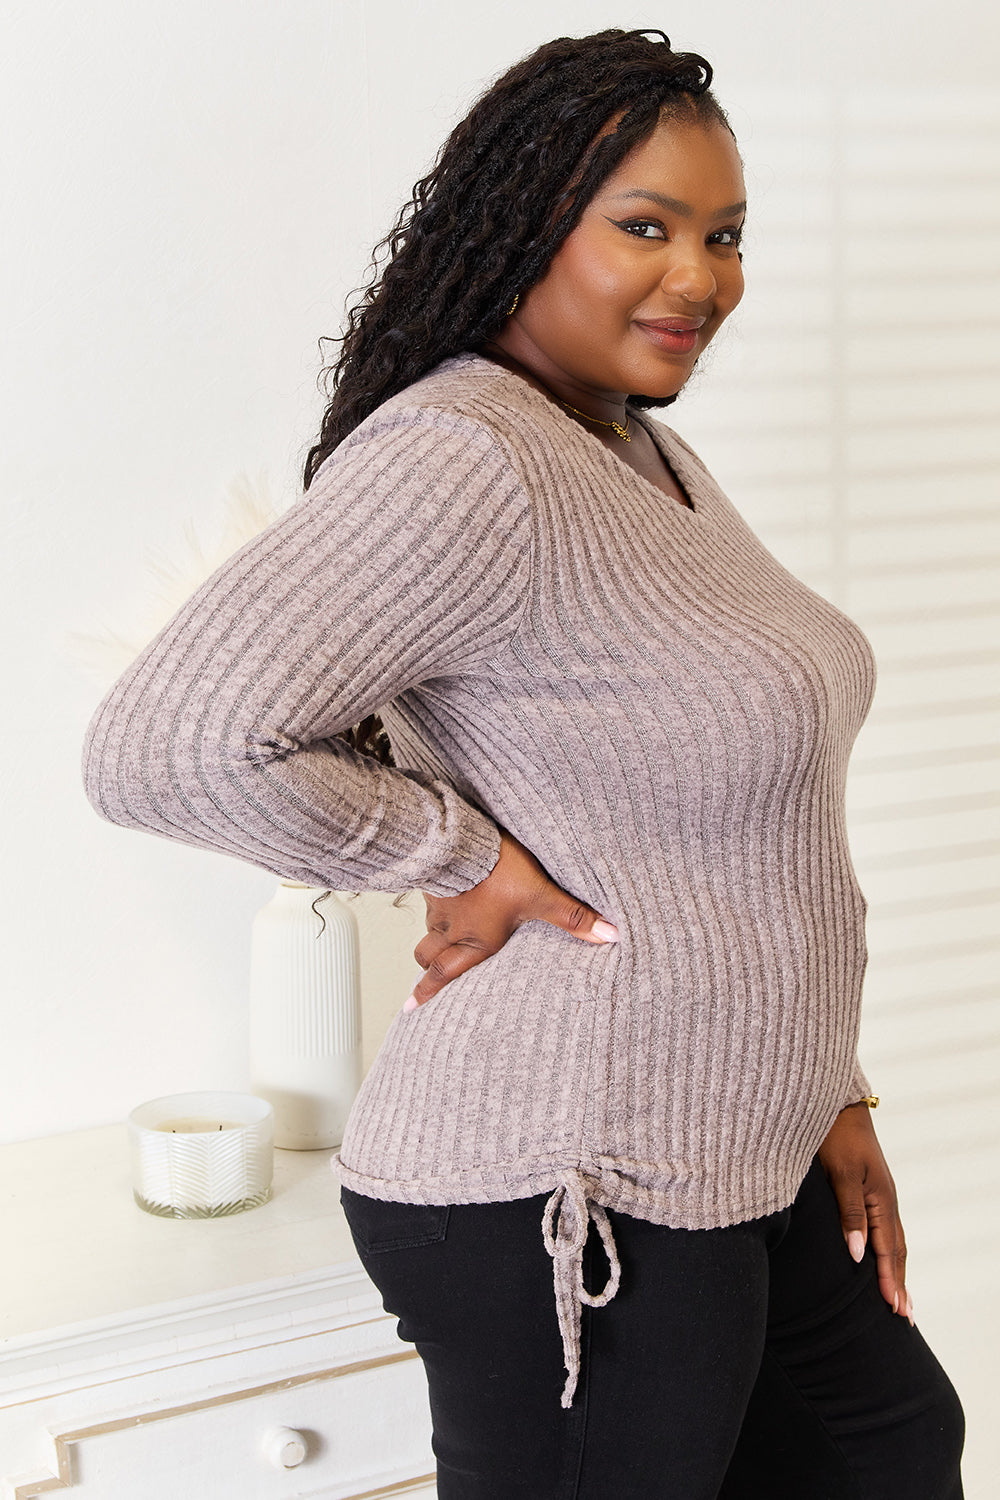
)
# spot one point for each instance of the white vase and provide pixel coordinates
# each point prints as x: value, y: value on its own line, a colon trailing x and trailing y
x: 305, y: 1015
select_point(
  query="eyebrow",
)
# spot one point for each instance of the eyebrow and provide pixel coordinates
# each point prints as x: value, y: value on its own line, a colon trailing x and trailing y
x: 675, y: 205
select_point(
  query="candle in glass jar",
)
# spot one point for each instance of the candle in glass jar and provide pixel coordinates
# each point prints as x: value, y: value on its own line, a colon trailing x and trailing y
x: 201, y: 1156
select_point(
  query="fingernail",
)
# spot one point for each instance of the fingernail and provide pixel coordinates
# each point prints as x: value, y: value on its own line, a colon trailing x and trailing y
x: 856, y: 1244
x: 895, y: 1303
x: 909, y: 1308
x: 411, y: 1003
x: 604, y: 931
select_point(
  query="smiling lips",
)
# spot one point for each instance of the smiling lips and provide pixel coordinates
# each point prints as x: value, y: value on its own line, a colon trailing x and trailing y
x: 673, y: 325
x: 675, y: 335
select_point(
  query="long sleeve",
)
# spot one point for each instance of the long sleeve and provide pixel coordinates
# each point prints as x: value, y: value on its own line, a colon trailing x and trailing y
x: 859, y: 1087
x: 406, y: 560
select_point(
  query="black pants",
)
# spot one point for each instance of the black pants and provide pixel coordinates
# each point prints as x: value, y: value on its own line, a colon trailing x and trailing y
x: 756, y: 1362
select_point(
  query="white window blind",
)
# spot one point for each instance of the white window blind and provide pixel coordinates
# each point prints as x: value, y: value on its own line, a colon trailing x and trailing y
x: 852, y: 416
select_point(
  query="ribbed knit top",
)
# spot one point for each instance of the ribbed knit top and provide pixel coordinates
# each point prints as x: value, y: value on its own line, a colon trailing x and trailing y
x: 641, y: 694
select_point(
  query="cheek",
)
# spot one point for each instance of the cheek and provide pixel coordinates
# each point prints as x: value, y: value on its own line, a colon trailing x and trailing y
x: 730, y: 291
x: 585, y: 283
x: 610, y: 278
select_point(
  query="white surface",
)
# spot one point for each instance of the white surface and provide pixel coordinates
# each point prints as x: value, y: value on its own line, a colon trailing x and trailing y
x: 81, y: 1249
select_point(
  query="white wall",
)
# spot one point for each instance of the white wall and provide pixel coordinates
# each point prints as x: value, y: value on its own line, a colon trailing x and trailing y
x: 195, y: 189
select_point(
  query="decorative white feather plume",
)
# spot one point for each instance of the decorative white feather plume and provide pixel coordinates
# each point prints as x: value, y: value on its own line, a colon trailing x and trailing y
x: 104, y: 653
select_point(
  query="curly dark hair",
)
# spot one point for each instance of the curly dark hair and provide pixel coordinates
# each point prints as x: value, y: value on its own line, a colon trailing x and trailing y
x: 508, y: 186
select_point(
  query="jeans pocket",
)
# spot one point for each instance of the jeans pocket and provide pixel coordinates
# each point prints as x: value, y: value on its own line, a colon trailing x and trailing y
x: 376, y: 1226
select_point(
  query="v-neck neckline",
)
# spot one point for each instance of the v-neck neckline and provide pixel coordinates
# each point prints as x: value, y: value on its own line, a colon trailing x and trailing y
x: 668, y: 458
x: 686, y: 479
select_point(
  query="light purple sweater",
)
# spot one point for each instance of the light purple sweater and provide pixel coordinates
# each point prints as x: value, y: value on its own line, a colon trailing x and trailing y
x: 643, y: 696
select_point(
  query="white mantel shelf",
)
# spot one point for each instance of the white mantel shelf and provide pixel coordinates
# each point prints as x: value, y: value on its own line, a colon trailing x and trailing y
x: 122, y: 1334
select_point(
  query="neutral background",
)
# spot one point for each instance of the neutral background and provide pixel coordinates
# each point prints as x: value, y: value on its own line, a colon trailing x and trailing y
x: 193, y: 193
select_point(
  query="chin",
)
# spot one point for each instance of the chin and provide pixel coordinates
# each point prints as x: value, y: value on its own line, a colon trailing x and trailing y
x: 661, y: 397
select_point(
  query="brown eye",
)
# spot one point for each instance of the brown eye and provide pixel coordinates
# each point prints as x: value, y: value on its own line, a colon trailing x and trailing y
x: 637, y: 227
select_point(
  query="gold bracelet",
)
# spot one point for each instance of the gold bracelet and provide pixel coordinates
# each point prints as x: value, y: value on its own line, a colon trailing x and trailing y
x: 870, y: 1099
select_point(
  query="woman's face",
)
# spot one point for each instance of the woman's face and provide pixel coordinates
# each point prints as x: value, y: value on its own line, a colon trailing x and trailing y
x: 658, y: 241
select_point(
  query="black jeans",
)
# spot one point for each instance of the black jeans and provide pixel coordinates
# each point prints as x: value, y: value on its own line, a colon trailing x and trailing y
x: 755, y: 1362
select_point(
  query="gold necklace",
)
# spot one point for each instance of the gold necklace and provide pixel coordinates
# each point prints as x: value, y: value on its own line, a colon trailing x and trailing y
x: 621, y: 431
x: 617, y: 426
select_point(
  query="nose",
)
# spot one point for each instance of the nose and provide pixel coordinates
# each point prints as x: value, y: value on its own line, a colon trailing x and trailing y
x: 690, y: 274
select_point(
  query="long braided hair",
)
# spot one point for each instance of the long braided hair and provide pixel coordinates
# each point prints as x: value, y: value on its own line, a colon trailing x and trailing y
x: 508, y: 186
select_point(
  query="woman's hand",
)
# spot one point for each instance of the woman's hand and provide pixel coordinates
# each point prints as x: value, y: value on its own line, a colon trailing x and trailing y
x: 463, y: 930
x: 852, y: 1159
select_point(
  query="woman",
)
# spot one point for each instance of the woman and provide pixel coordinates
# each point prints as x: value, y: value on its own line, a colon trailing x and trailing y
x: 614, y: 1167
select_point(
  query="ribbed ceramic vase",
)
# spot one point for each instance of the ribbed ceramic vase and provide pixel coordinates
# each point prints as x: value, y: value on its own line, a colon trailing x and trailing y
x: 305, y: 1015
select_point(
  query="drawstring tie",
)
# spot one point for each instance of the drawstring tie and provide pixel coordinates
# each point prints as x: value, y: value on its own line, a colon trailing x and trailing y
x: 565, y: 1245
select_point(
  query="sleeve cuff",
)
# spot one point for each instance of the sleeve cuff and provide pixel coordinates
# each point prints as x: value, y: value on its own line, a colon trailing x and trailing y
x: 473, y: 852
x: 859, y: 1087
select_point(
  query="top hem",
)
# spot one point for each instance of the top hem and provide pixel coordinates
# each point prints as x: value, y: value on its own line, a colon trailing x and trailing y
x: 675, y: 1204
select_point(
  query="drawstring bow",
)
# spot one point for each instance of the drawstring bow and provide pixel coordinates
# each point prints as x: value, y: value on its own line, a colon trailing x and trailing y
x: 565, y: 1242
